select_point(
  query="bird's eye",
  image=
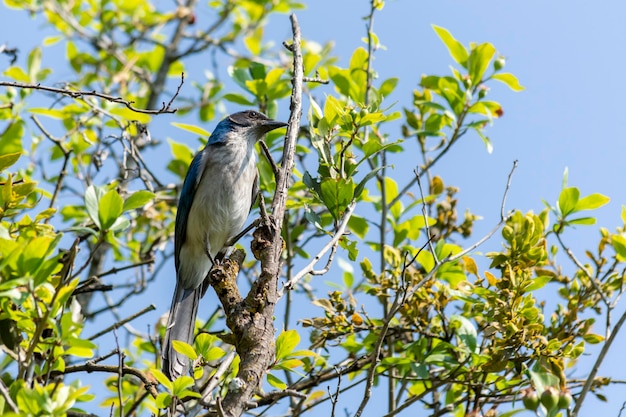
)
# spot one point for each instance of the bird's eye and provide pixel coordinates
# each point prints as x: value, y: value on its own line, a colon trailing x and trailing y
x: 254, y: 115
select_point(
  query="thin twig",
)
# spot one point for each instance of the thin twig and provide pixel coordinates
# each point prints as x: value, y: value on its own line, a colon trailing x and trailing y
x: 66, y: 158
x: 375, y: 355
x: 120, y: 365
x: 4, y: 390
x: 582, y: 268
x: 115, y: 270
x: 81, y: 94
x: 268, y: 156
x: 596, y: 366
x: 425, y: 215
x: 334, y: 399
x: 315, y: 80
x: 113, y: 369
x: 122, y: 322
x: 331, y: 243
x: 503, y: 219
x: 216, y: 377
x: 506, y: 190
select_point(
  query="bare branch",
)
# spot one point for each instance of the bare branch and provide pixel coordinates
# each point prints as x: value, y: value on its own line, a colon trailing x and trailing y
x: 115, y: 270
x: 425, y: 215
x: 120, y: 365
x: 112, y: 369
x: 4, y: 390
x: 123, y: 322
x: 584, y: 270
x: 331, y: 244
x: 269, y: 158
x: 315, y: 79
x: 82, y: 94
x: 216, y: 377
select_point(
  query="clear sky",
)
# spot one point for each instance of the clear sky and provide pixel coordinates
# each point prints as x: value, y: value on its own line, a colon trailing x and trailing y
x: 568, y: 54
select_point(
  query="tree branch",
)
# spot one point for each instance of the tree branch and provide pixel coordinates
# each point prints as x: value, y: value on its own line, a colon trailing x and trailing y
x: 112, y: 369
x: 81, y: 94
x: 289, y: 285
x: 122, y: 322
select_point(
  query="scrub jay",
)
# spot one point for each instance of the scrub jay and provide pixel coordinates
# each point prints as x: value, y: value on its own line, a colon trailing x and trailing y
x: 217, y: 196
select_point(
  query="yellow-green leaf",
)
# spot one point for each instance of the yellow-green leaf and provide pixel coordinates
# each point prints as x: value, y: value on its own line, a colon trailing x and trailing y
x: 137, y: 199
x: 286, y: 343
x: 9, y: 159
x: 109, y: 209
x: 192, y: 128
x: 276, y: 382
x: 163, y: 380
x: 456, y: 48
x: 185, y: 348
x: 510, y: 80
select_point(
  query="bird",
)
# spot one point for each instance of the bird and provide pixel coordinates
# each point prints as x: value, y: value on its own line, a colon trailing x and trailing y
x: 219, y: 190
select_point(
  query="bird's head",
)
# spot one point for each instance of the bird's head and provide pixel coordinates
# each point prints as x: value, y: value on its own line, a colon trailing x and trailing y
x: 250, y: 124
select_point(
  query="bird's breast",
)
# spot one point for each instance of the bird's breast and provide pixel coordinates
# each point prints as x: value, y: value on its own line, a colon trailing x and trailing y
x: 223, y: 197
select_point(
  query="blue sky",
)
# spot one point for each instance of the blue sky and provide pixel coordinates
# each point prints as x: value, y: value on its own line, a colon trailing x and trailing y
x: 568, y: 54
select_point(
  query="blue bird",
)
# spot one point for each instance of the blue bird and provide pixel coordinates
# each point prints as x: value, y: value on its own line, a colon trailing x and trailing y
x: 217, y: 195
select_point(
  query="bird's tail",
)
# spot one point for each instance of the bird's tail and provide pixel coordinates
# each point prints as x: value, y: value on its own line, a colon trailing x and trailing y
x: 180, y: 326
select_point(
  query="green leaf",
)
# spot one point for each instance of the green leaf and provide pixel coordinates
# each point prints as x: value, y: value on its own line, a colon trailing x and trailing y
x: 11, y: 138
x: 137, y: 199
x: 592, y: 202
x: 456, y: 48
x: 388, y: 86
x: 568, y: 200
x: 213, y: 354
x: 276, y: 382
x: 479, y: 60
x: 80, y: 348
x: 163, y: 400
x: 238, y: 99
x: 34, y: 63
x: 17, y: 74
x: 510, y: 80
x: 180, y: 386
x: 53, y: 113
x: 538, y: 283
x: 593, y: 338
x: 91, y: 204
x: 110, y: 209
x: 485, y: 140
x: 181, y: 152
x: 585, y: 221
x: 465, y: 331
x: 121, y: 223
x: 358, y: 225
x: 361, y: 185
x: 185, y: 348
x: 51, y: 40
x: 286, y: 343
x: 192, y: 128
x: 8, y: 159
x: 336, y: 193
x: 130, y: 115
x: 619, y: 245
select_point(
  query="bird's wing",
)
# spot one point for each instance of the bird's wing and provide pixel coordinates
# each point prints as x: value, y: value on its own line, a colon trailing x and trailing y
x: 187, y: 194
x: 255, y: 190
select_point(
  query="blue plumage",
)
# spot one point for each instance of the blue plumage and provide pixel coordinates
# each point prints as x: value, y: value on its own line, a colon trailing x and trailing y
x: 218, y: 192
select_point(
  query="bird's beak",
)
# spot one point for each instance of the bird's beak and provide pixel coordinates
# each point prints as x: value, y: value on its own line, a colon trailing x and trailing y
x: 269, y: 125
